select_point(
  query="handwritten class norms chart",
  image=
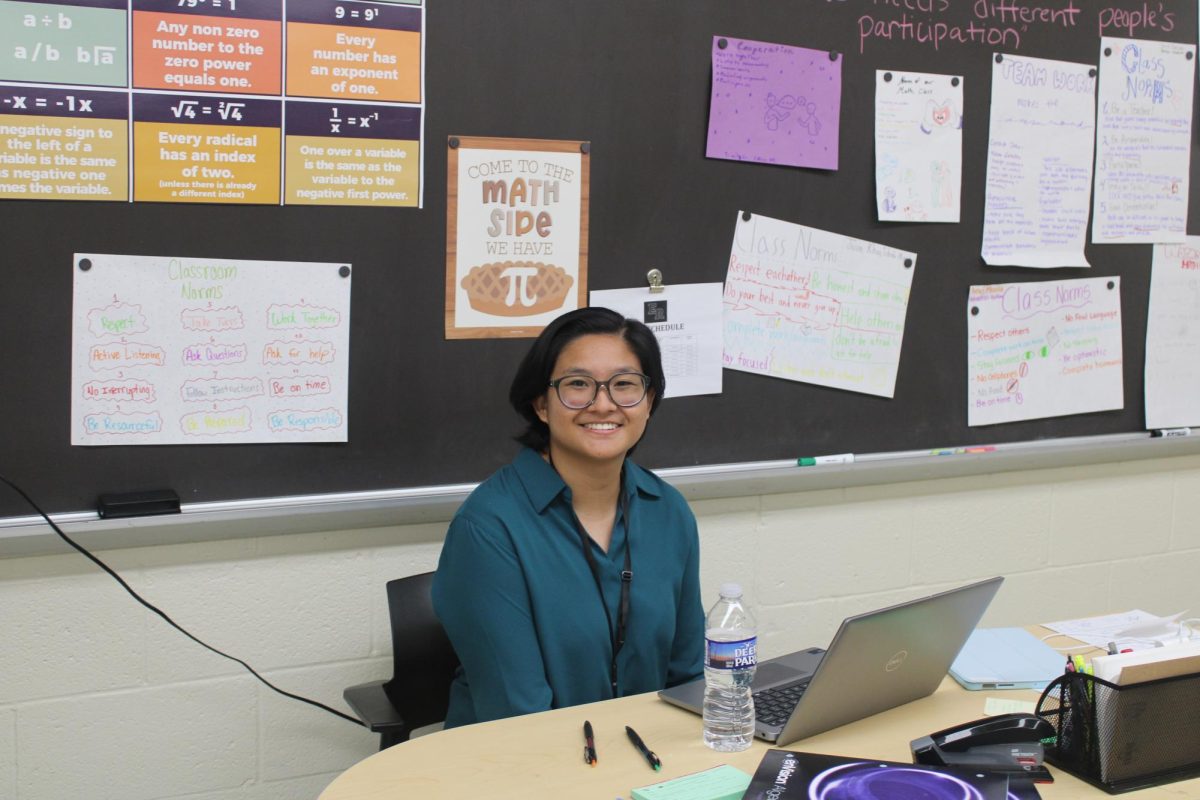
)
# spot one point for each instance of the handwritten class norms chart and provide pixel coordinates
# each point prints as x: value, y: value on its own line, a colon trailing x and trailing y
x: 201, y: 101
x: 176, y: 350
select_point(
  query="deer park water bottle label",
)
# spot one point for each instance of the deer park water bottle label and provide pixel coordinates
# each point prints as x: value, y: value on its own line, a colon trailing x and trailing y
x: 741, y: 654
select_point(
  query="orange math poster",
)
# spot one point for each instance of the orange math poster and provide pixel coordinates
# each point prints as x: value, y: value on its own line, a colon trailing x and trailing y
x: 358, y: 51
x: 228, y: 47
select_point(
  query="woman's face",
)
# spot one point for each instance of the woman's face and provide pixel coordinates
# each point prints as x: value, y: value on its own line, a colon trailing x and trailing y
x: 603, y: 431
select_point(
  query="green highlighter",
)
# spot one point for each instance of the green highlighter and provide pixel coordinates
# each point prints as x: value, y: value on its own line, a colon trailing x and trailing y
x: 719, y: 783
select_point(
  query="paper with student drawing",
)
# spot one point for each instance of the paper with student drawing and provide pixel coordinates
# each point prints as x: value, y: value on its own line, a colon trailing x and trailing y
x: 774, y: 103
x: 1143, y: 141
x: 813, y: 306
x: 686, y: 320
x: 178, y: 350
x: 1039, y: 168
x: 1044, y: 349
x: 1173, y: 336
x: 918, y: 146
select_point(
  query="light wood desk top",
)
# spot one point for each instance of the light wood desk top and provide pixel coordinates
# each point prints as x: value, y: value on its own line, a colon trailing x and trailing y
x: 541, y: 755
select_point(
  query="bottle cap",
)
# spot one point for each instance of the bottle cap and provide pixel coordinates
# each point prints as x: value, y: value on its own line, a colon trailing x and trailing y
x: 731, y: 590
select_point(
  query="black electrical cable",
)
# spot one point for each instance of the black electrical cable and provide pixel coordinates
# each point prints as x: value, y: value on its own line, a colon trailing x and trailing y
x: 163, y: 614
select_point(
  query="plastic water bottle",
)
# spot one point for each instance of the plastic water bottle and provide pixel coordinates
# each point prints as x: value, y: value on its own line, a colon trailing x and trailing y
x: 729, y: 661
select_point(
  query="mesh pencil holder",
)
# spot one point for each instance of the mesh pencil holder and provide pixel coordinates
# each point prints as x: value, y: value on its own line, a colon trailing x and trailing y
x: 1122, y: 738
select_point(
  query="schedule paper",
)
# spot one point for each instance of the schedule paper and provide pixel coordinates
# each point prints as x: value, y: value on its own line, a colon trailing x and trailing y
x: 686, y: 320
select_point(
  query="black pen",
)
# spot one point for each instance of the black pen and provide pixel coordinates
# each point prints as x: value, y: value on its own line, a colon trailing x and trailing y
x: 589, y: 748
x: 651, y: 759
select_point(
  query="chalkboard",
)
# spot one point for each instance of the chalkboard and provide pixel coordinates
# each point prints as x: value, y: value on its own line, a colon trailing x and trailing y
x: 633, y: 78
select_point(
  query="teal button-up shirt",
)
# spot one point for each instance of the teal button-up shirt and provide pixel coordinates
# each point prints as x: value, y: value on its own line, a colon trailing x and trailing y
x: 519, y: 603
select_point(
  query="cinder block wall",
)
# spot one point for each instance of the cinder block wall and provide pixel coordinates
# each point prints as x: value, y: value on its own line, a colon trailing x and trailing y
x: 101, y: 699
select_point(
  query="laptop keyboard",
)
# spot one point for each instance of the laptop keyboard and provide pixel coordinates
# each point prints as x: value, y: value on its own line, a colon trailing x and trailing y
x: 774, y: 706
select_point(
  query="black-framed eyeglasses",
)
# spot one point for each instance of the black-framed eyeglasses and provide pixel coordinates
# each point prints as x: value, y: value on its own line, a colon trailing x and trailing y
x: 626, y: 389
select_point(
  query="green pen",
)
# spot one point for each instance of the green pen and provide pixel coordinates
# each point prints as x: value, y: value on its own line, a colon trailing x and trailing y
x: 651, y: 759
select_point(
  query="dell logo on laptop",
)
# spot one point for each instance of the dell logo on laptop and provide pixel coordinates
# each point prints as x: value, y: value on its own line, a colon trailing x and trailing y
x: 895, y: 661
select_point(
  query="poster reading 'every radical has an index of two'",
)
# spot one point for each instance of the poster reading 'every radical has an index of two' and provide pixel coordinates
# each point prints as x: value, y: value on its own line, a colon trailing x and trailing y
x: 296, y: 102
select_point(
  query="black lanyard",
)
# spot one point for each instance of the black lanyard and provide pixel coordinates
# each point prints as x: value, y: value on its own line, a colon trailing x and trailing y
x: 617, y: 637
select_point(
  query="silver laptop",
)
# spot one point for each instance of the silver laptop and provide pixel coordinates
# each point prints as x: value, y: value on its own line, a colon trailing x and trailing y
x: 877, y: 661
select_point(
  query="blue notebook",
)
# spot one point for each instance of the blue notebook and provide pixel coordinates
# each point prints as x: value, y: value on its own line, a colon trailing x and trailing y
x: 1006, y: 658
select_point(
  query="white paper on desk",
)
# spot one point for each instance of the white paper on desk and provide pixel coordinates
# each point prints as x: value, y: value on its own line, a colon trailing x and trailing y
x: 1143, y: 141
x: 1173, y: 336
x: 918, y: 146
x: 1099, y: 631
x: 1043, y: 349
x: 686, y: 320
x: 814, y: 306
x: 1039, y: 169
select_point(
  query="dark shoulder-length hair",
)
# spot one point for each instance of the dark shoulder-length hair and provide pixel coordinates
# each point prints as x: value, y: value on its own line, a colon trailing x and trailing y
x: 534, y: 373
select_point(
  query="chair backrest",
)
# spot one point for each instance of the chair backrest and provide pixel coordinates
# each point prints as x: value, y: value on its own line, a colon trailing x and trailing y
x: 423, y: 661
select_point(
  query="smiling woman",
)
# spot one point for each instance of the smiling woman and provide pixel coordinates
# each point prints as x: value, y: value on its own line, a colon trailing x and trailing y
x: 572, y: 574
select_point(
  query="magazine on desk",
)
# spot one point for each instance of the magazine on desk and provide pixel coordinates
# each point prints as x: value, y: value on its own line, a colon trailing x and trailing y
x: 790, y: 775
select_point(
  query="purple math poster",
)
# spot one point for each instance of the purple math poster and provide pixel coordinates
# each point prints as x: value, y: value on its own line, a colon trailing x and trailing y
x: 774, y: 104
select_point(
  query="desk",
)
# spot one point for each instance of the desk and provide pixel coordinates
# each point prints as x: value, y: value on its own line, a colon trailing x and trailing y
x: 541, y: 755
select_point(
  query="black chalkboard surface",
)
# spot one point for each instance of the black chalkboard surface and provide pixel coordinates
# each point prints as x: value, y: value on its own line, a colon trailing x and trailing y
x: 633, y: 78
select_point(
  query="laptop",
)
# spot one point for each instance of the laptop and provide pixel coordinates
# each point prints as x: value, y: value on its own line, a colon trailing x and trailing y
x: 877, y: 661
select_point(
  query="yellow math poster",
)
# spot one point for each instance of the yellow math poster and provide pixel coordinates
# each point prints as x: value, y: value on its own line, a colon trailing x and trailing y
x: 65, y: 145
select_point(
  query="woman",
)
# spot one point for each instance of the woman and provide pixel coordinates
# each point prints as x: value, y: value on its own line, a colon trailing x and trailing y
x: 572, y: 574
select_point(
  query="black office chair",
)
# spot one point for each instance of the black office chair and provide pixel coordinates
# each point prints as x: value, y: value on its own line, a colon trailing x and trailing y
x: 423, y: 665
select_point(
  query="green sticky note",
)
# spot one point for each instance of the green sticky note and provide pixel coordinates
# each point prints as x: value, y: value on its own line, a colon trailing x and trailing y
x: 997, y: 705
x: 719, y: 783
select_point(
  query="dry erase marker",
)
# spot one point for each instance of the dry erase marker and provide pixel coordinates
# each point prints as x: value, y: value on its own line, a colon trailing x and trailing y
x: 1170, y: 432
x: 816, y: 461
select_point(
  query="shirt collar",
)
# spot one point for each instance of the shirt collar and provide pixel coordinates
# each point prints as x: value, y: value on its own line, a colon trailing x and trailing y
x: 543, y: 484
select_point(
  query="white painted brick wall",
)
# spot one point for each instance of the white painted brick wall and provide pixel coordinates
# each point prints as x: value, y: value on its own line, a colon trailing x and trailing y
x: 140, y: 744
x: 68, y: 635
x: 8, y: 753
x: 1185, y: 528
x: 100, y: 699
